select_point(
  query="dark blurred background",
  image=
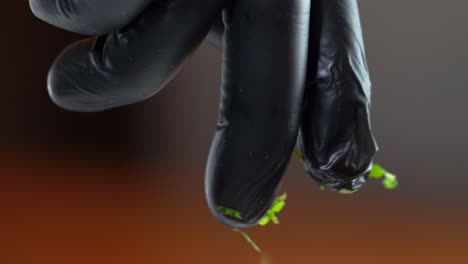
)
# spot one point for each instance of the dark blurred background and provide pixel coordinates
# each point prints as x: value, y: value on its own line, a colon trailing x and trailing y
x: 126, y: 185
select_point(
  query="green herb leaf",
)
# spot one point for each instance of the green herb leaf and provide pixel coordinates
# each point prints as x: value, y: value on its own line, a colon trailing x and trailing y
x: 377, y: 172
x: 264, y: 221
x: 390, y: 181
x: 278, y: 204
x: 282, y: 197
x: 275, y: 219
x: 229, y: 212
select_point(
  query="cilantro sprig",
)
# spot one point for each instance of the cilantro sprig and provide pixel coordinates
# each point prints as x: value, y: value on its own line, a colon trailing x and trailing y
x: 270, y: 216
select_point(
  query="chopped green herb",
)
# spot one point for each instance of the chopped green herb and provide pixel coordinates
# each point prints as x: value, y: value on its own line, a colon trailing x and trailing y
x: 229, y: 211
x: 377, y: 172
x: 276, y: 207
x: 389, y: 181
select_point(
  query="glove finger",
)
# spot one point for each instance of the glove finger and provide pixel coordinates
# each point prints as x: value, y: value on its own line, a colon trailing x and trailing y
x: 336, y: 135
x: 135, y: 63
x: 264, y: 67
x: 96, y: 17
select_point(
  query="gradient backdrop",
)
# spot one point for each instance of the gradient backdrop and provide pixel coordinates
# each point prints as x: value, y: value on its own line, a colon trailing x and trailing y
x: 126, y: 186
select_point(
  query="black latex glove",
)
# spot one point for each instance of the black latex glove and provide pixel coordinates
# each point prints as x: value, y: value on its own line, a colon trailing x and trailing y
x: 335, y: 136
x: 264, y: 67
x: 264, y: 72
x: 146, y: 42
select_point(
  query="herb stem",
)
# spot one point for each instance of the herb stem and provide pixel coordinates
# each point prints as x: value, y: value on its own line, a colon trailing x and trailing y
x: 251, y: 242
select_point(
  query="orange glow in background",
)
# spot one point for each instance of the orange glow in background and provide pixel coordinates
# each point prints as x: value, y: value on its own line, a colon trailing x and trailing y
x: 71, y: 211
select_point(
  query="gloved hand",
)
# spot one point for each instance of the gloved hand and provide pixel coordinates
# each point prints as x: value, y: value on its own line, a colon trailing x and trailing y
x: 142, y: 44
x: 263, y: 102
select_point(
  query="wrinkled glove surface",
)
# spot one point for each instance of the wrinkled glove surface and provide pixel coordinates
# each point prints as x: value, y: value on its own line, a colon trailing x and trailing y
x: 290, y: 68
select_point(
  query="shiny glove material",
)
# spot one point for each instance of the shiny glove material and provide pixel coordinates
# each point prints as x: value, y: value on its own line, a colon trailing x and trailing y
x: 134, y: 63
x: 95, y: 17
x: 280, y: 79
x: 336, y: 135
x: 264, y: 70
